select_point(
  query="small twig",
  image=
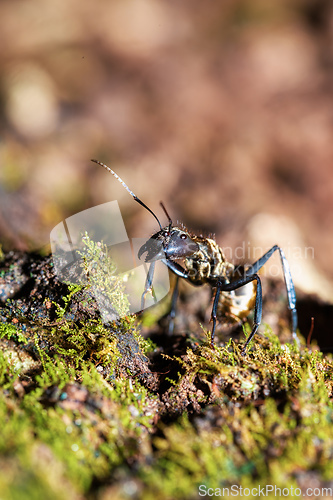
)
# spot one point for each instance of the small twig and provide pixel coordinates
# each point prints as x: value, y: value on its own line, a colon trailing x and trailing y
x: 310, y: 333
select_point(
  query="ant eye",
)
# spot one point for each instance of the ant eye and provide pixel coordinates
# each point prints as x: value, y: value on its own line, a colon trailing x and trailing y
x: 183, y: 236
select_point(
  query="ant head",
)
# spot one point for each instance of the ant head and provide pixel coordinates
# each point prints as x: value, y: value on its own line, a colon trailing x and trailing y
x: 172, y: 243
x: 179, y: 245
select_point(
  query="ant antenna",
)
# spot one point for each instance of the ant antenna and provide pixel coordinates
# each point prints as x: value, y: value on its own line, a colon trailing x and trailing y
x: 128, y: 189
x: 166, y: 213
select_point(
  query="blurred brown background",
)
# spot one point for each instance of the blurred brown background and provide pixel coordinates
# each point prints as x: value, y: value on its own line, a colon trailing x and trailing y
x: 223, y: 110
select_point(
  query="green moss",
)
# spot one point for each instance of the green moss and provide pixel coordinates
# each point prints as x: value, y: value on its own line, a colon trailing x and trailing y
x: 246, y: 438
x: 247, y: 447
x: 101, y: 272
x: 10, y: 331
x: 73, y: 406
x: 88, y: 425
x: 268, y: 368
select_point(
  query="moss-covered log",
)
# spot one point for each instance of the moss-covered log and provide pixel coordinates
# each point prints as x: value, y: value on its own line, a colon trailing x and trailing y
x: 96, y: 411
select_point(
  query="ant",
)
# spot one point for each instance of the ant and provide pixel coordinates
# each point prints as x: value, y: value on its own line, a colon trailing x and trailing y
x: 203, y: 262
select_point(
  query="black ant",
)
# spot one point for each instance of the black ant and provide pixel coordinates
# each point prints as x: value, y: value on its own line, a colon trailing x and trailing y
x: 204, y: 263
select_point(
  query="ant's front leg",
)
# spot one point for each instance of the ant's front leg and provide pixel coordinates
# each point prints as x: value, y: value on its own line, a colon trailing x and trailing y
x: 148, y: 285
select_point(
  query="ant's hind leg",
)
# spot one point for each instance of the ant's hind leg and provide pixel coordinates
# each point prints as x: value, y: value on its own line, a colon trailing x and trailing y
x: 214, y: 314
x: 257, y: 314
x: 288, y: 281
x: 258, y: 304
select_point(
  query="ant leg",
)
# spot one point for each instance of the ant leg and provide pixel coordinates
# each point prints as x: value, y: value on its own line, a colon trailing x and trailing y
x: 258, y: 305
x: 214, y: 315
x: 172, y: 314
x: 148, y: 285
x: 176, y: 268
x: 257, y: 313
x: 288, y: 281
x: 180, y: 272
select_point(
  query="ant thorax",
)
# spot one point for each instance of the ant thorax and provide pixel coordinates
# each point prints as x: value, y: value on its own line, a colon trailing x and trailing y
x: 208, y: 263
